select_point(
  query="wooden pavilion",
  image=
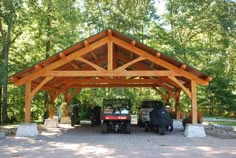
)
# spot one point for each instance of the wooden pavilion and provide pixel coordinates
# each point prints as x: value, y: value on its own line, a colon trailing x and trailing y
x: 110, y: 59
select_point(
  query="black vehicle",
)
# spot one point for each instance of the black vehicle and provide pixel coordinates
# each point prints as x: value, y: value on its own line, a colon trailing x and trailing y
x: 116, y: 115
x: 95, y: 116
x: 144, y: 111
x: 74, y: 117
x: 160, y: 119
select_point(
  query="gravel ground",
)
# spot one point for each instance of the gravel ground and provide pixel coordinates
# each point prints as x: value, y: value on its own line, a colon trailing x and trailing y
x: 84, y: 141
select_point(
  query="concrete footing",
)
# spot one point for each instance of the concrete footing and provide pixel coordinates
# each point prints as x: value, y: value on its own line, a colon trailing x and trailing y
x: 177, y: 124
x: 27, y: 130
x: 65, y: 120
x: 194, y: 130
x: 51, y: 123
x: 2, y: 135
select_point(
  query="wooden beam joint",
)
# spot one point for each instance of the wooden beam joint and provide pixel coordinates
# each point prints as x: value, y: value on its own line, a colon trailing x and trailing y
x: 62, y: 56
x: 133, y: 43
x: 183, y: 67
x: 37, y: 67
x: 109, y: 32
x: 209, y: 79
x: 86, y: 43
x: 158, y: 55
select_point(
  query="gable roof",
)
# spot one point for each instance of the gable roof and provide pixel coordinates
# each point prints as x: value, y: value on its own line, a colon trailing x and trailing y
x: 110, y: 59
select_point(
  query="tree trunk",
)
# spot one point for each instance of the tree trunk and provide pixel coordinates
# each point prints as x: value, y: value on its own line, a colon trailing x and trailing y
x: 6, y: 48
x: 5, y: 118
x: 47, y: 49
x: 1, y: 104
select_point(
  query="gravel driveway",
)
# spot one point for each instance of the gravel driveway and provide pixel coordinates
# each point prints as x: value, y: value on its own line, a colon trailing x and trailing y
x: 87, y: 142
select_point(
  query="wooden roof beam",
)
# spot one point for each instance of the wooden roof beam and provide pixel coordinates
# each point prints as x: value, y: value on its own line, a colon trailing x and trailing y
x: 110, y: 81
x: 109, y: 73
x: 109, y: 85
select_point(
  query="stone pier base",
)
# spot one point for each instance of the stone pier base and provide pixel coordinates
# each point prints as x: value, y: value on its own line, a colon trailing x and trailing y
x: 177, y: 124
x: 27, y: 130
x: 51, y: 123
x: 194, y: 130
x: 2, y: 135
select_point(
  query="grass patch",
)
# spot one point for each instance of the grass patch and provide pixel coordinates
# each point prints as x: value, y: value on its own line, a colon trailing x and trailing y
x: 226, y: 123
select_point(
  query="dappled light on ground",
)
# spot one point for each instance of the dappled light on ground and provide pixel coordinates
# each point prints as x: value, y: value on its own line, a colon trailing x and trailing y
x: 84, y: 141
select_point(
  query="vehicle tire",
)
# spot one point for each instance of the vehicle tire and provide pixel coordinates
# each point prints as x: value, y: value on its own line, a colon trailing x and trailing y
x: 72, y: 121
x: 104, y: 128
x: 92, y: 123
x: 171, y: 128
x: 162, y: 131
x: 140, y: 123
x: 146, y: 127
x: 128, y: 128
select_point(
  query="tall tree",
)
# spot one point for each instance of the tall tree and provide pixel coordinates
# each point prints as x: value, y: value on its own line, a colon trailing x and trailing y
x: 203, y: 34
x: 9, y: 33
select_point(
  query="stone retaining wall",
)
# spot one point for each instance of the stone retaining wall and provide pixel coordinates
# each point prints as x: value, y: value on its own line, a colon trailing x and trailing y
x: 221, y: 131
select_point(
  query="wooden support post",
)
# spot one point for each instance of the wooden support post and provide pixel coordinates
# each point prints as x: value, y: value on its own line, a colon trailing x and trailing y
x: 28, y: 102
x: 51, y: 103
x: 110, y: 51
x: 194, y: 101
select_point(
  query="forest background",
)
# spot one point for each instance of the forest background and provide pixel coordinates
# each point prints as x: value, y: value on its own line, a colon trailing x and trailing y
x: 201, y: 34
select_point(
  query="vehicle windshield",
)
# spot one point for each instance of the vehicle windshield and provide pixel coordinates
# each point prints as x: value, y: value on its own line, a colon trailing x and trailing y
x: 117, y: 105
x: 150, y: 104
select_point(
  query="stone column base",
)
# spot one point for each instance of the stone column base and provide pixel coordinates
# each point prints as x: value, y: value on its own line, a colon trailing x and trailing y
x: 65, y: 120
x: 51, y: 123
x: 177, y: 124
x: 194, y: 130
x: 27, y: 130
x: 2, y: 135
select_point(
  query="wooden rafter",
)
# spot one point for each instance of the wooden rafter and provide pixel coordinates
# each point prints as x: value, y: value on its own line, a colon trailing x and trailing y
x: 123, y: 67
x: 91, y: 64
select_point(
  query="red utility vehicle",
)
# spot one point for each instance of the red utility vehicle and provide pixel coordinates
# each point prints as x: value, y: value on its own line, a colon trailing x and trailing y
x: 116, y: 115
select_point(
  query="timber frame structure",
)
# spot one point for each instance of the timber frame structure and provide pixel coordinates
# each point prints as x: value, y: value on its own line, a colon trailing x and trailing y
x: 110, y: 59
